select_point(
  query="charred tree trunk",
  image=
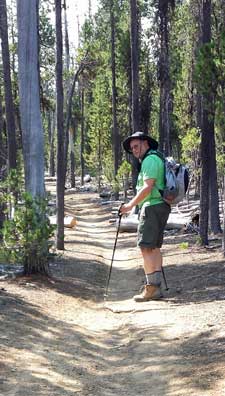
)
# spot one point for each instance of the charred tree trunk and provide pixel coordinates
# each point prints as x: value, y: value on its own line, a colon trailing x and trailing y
x: 2, y: 145
x: 51, y: 136
x: 9, y: 107
x: 115, y: 132
x: 215, y: 225
x: 209, y: 198
x: 205, y: 135
x: 134, y: 36
x: 135, y: 105
x: 82, y: 137
x: 164, y: 79
x: 60, y: 129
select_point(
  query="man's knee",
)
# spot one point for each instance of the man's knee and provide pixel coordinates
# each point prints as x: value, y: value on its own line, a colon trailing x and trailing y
x: 148, y: 249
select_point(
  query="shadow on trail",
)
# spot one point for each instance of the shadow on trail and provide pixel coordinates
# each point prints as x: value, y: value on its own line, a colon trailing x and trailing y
x: 188, y: 283
x: 198, y: 283
x: 79, y: 278
x: 67, y: 359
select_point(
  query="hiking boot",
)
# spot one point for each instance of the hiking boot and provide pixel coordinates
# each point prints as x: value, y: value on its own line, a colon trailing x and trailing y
x: 150, y: 292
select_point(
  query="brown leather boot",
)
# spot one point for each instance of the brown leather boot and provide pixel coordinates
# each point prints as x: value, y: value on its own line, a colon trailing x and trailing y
x: 150, y: 292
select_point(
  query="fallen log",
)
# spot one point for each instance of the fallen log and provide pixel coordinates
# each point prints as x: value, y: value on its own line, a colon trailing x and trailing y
x: 69, y: 221
x: 175, y: 221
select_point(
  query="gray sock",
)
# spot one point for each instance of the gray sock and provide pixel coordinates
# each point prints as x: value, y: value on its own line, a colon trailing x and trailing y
x: 154, y: 278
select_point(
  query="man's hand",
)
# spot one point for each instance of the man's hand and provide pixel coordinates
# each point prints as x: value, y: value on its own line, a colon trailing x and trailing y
x: 125, y: 208
x: 140, y: 196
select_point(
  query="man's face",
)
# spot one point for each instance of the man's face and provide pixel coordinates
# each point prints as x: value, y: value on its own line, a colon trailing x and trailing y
x: 138, y: 147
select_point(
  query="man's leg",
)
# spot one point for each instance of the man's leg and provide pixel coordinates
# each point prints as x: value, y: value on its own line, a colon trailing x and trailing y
x: 152, y: 268
x: 152, y: 260
x: 150, y: 233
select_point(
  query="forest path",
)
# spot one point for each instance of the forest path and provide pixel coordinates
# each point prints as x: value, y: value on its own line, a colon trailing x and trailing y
x: 59, y: 337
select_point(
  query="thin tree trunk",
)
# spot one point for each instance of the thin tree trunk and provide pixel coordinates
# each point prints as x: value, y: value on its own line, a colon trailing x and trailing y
x: 51, y: 129
x: 82, y: 137
x: 115, y: 131
x: 72, y: 156
x: 146, y: 99
x: 223, y: 247
x: 60, y: 129
x: 69, y: 110
x: 2, y: 148
x: 2, y: 161
x: 213, y: 183
x: 134, y: 64
x: 164, y: 77
x: 135, y: 104
x: 9, y: 107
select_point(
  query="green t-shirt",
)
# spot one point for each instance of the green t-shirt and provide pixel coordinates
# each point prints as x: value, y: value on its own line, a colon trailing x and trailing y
x: 152, y: 167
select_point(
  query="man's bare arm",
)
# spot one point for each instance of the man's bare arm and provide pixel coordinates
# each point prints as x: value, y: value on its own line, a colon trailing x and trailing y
x: 140, y: 196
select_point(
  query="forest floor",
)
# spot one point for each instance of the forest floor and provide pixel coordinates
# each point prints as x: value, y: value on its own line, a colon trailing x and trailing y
x: 60, y: 337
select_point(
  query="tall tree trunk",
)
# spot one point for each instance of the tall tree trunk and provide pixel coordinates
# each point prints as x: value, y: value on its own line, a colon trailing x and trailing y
x: 213, y: 182
x: 135, y: 104
x: 60, y: 128
x: 209, y: 200
x: 35, y: 261
x: 164, y: 78
x: 30, y: 114
x: 72, y: 155
x: 146, y: 99
x: 9, y: 107
x: 134, y: 36
x: 204, y: 191
x: 2, y: 161
x: 67, y: 46
x: 115, y: 131
x: 82, y: 136
x: 205, y: 134
x: 67, y: 81
x: 223, y: 241
x: 69, y: 112
x: 51, y: 130
x: 2, y: 148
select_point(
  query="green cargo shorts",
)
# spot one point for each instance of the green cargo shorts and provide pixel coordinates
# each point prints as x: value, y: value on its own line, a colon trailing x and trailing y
x: 152, y: 222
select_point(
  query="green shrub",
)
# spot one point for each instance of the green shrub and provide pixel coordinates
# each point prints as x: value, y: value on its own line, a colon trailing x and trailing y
x: 26, y: 236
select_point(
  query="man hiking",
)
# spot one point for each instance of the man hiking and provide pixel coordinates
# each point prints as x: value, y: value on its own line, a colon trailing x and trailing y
x: 153, y: 210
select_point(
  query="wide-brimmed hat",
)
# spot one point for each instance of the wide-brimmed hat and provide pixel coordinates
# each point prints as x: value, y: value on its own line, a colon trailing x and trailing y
x: 153, y: 144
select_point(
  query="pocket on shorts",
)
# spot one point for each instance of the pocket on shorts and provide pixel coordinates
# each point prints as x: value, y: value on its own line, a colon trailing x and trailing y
x: 143, y: 212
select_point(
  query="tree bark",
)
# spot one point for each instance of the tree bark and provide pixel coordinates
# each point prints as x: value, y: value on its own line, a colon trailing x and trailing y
x: 72, y: 155
x: 213, y: 183
x: 115, y: 131
x: 82, y: 136
x: 164, y: 79
x: 69, y: 111
x: 135, y: 112
x: 2, y: 148
x: 60, y: 128
x: 30, y: 114
x: 51, y: 132
x: 206, y: 130
x: 9, y: 106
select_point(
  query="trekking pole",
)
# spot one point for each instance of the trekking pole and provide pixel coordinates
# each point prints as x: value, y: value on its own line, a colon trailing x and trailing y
x: 164, y: 277
x: 114, y: 249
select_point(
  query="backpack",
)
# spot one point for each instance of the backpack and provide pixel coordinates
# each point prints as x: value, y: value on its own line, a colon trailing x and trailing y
x: 176, y: 179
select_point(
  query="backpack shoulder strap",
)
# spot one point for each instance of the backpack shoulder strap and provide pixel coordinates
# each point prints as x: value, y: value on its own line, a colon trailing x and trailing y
x: 154, y: 152
x: 161, y: 156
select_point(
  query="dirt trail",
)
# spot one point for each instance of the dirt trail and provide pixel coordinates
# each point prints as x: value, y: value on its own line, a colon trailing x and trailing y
x: 59, y: 337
